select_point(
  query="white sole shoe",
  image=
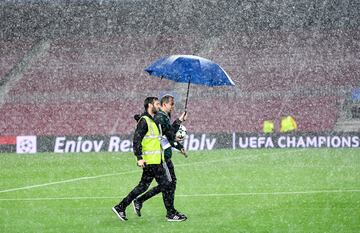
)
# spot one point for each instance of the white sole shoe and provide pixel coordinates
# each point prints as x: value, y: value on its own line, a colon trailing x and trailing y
x: 133, y: 204
x: 117, y: 214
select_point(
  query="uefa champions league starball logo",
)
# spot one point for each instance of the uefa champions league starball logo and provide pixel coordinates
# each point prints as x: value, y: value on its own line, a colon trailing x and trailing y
x: 26, y: 145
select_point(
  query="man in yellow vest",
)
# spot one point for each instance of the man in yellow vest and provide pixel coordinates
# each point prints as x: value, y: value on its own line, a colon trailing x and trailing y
x: 150, y: 157
x: 288, y: 124
x: 268, y: 126
x: 169, y: 131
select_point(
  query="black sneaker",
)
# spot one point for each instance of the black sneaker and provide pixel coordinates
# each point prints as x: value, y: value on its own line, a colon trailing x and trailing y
x: 137, y: 207
x: 176, y: 217
x: 120, y: 213
x: 181, y: 214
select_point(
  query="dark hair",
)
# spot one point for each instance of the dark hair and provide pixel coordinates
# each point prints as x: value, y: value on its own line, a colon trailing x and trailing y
x: 149, y: 100
x: 166, y: 99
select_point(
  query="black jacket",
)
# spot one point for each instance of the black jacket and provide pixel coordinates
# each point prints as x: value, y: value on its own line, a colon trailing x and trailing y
x: 140, y: 132
x: 169, y: 130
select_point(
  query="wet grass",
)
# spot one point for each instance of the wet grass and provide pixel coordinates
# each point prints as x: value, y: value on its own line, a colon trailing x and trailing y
x: 309, y: 190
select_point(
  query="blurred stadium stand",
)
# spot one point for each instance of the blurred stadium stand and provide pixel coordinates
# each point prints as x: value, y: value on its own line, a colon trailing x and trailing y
x: 11, y: 53
x: 90, y: 78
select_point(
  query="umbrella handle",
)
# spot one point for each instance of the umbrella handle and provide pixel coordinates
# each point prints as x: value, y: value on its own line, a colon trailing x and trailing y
x: 187, y: 96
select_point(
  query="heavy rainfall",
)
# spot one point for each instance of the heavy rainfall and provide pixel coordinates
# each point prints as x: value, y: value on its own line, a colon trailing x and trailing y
x: 73, y: 76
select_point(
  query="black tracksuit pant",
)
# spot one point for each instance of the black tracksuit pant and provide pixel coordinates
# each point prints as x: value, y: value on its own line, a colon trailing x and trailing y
x: 162, y: 177
x: 157, y: 189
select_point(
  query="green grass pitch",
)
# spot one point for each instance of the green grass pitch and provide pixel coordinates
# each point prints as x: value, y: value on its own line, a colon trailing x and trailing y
x: 295, y: 190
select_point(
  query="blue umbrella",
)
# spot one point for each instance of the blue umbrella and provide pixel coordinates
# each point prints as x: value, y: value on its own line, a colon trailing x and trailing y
x: 190, y: 69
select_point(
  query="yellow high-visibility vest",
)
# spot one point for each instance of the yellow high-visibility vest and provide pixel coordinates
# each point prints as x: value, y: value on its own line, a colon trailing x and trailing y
x: 151, y: 147
x: 268, y: 126
x: 288, y: 124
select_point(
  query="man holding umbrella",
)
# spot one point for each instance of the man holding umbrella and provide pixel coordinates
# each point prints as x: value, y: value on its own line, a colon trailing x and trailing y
x: 169, y: 131
x: 179, y: 68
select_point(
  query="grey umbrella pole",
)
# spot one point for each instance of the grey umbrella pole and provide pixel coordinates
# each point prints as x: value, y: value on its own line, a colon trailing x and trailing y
x: 187, y: 96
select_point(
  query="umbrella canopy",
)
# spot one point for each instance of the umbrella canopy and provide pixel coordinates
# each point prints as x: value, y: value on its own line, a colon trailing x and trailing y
x: 190, y: 69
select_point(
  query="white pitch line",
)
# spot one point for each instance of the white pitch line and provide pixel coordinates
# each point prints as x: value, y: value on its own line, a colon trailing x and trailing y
x: 192, y: 195
x: 129, y: 172
x: 269, y: 193
x: 66, y: 181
